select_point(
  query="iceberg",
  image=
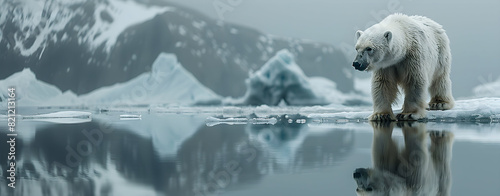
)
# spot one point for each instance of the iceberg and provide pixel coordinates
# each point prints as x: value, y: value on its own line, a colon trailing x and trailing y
x: 281, y: 79
x: 168, y: 82
x: 32, y: 92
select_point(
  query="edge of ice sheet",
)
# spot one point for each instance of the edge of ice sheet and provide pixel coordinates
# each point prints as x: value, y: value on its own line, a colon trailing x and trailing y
x: 473, y: 110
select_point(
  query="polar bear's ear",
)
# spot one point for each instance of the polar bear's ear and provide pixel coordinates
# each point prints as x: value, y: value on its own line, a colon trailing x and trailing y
x: 388, y: 35
x: 358, y: 34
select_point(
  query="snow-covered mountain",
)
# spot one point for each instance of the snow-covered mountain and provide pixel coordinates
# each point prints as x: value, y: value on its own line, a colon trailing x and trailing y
x: 83, y: 45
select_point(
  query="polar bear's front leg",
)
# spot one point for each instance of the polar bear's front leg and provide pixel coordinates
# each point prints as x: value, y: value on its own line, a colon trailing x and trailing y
x: 384, y: 93
x: 414, y: 104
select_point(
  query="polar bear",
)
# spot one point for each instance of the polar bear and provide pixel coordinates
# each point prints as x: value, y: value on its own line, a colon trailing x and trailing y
x: 410, y: 51
x: 416, y: 170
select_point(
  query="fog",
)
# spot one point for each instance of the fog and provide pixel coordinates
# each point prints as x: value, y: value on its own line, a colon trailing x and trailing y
x: 472, y: 26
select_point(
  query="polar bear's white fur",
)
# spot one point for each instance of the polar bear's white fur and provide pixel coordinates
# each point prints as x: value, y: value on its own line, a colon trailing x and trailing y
x: 410, y: 51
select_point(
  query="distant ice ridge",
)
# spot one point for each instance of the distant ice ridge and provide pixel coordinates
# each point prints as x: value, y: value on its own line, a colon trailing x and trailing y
x: 491, y: 89
x: 168, y: 82
x: 281, y: 79
x: 30, y: 91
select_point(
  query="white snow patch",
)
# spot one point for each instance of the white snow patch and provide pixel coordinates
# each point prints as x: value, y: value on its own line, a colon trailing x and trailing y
x: 269, y: 49
x: 199, y: 25
x: 234, y: 31
x: 178, y: 44
x: 64, y: 37
x: 124, y: 14
x: 182, y: 30
x: 263, y: 38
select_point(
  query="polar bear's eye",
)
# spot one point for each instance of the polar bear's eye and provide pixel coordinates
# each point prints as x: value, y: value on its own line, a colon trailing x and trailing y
x: 369, y: 49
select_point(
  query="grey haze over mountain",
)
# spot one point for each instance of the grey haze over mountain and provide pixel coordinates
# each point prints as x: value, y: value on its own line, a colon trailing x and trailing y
x: 472, y: 26
x: 83, y: 45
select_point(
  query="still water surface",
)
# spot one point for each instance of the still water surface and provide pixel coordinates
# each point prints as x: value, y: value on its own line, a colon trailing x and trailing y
x: 179, y: 154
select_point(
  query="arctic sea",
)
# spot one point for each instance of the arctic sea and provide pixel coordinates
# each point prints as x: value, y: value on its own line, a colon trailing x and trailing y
x: 234, y: 151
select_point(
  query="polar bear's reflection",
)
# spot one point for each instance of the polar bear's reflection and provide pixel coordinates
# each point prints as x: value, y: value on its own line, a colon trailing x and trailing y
x: 416, y: 169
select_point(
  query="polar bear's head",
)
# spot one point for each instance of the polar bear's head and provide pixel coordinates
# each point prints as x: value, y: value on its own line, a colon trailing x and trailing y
x: 373, y: 182
x: 373, y: 49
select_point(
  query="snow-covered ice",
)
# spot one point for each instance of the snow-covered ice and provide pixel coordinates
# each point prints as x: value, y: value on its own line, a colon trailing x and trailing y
x: 482, y: 109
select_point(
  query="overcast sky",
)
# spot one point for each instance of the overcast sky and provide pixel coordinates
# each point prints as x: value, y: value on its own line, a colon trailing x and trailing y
x: 472, y: 26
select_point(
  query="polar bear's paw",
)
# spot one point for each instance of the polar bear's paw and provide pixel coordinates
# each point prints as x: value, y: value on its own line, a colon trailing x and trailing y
x: 411, y: 116
x: 440, y: 106
x: 382, y: 117
x: 438, y: 103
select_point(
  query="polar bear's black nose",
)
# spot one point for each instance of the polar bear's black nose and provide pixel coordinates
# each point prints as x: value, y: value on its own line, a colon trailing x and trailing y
x: 356, y: 65
x: 360, y: 172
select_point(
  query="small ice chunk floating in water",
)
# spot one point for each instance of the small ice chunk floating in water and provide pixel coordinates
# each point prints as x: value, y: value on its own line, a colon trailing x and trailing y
x: 212, y: 121
x: 64, y: 117
x: 130, y: 117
